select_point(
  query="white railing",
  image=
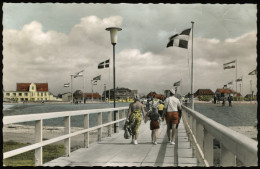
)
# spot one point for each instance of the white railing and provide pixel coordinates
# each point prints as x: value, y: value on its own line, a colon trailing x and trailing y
x: 233, y: 145
x: 38, y: 118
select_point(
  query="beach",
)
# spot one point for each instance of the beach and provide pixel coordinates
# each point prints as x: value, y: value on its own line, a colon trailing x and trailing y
x: 25, y: 134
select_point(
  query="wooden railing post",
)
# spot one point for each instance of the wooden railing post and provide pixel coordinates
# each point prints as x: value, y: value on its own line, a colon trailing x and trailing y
x: 109, y: 117
x: 38, y: 138
x: 86, y: 126
x: 208, y: 148
x: 117, y: 124
x: 227, y: 158
x: 67, y: 131
x: 99, y: 123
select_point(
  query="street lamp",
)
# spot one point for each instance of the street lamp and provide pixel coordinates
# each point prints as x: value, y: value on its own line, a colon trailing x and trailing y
x: 93, y: 82
x: 113, y: 36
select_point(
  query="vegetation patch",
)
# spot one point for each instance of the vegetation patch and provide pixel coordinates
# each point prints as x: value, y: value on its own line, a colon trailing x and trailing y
x: 50, y: 152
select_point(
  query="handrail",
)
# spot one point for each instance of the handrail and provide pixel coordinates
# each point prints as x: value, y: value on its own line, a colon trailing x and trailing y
x: 50, y: 115
x: 242, y: 147
x: 38, y: 118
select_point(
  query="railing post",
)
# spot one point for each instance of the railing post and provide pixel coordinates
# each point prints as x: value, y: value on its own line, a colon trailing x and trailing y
x: 227, y: 158
x: 193, y: 126
x: 38, y: 138
x: 86, y: 126
x: 117, y: 124
x: 208, y: 148
x: 109, y: 118
x: 67, y: 131
x: 99, y: 123
x: 199, y: 134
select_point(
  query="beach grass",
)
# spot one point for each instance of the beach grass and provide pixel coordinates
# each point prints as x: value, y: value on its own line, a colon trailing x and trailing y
x: 50, y: 152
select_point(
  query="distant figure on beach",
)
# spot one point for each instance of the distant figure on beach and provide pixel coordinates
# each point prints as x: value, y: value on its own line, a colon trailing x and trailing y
x: 224, y: 101
x: 134, y: 117
x: 230, y: 101
x: 172, y: 112
x: 215, y: 99
x: 154, y: 121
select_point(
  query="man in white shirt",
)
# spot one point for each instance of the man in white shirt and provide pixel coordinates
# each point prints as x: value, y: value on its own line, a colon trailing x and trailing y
x: 171, y: 111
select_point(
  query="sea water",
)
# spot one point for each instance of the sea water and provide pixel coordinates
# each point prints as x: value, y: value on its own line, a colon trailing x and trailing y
x: 237, y: 115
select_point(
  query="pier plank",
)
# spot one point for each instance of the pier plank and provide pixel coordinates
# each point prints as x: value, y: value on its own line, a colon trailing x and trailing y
x: 117, y: 151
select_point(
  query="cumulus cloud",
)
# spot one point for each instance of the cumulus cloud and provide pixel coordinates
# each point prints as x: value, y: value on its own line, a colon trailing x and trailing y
x: 34, y: 55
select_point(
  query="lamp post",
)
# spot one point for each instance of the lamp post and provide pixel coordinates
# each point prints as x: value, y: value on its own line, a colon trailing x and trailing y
x: 93, y: 83
x: 113, y: 36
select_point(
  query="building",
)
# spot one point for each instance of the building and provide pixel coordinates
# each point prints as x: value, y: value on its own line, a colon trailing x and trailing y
x: 30, y: 92
x: 225, y: 92
x: 204, y: 92
x: 155, y: 95
x: 121, y: 94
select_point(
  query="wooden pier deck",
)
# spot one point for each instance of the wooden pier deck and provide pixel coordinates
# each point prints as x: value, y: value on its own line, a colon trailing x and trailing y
x: 117, y: 151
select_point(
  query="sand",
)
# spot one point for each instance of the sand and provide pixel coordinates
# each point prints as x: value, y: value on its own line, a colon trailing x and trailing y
x: 25, y: 134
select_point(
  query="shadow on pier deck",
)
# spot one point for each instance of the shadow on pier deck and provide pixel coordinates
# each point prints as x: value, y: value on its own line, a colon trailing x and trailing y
x: 117, y: 151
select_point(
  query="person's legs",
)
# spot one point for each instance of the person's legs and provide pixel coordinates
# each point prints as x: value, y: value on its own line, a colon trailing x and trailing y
x: 155, y: 135
x: 169, y: 131
x: 174, y: 131
x: 152, y: 135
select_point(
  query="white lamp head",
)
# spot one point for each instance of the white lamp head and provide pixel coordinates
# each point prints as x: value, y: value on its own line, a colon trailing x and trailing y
x: 113, y: 34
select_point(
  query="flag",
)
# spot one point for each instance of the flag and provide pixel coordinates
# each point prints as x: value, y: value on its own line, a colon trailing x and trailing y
x: 180, y: 40
x: 104, y: 64
x: 177, y: 83
x: 97, y: 78
x: 225, y: 85
x: 79, y: 74
x: 229, y: 65
x: 252, y: 73
x: 239, y: 80
x: 67, y: 85
x: 230, y: 83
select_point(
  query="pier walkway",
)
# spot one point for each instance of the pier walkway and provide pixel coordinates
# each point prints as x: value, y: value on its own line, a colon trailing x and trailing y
x: 117, y: 151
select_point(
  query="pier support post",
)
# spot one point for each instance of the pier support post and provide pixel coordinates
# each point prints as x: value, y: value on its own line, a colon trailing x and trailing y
x: 86, y: 126
x: 38, y: 138
x: 99, y: 123
x: 208, y: 148
x: 227, y: 158
x: 67, y: 131
x: 109, y: 118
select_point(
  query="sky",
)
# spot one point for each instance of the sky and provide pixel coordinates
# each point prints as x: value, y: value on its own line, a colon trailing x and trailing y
x: 49, y: 42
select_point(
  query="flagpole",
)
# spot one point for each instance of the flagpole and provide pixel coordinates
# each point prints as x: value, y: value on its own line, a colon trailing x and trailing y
x: 109, y: 84
x: 71, y: 88
x: 192, y: 96
x: 236, y: 77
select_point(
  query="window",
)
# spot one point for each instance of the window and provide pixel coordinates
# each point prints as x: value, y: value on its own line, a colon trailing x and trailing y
x: 41, y: 94
x: 26, y: 94
x: 20, y: 94
x: 14, y: 94
x: 7, y: 94
x: 32, y: 88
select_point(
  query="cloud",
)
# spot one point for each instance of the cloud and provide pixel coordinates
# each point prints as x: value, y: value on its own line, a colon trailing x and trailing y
x: 34, y: 55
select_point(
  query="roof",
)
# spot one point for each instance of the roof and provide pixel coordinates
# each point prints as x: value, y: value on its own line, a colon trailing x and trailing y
x: 228, y: 91
x: 204, y: 92
x: 25, y: 86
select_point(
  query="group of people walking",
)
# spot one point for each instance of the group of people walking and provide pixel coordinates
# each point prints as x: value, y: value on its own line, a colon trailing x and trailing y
x: 155, y: 111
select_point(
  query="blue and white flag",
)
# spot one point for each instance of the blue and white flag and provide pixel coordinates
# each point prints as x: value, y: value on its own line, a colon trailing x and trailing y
x: 67, y: 85
x: 97, y: 78
x: 180, y: 40
x: 229, y: 65
x: 104, y: 64
x: 253, y: 72
x: 177, y: 83
x: 239, y: 79
x: 79, y: 74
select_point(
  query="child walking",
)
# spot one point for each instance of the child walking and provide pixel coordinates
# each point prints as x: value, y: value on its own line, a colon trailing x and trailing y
x: 154, y: 122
